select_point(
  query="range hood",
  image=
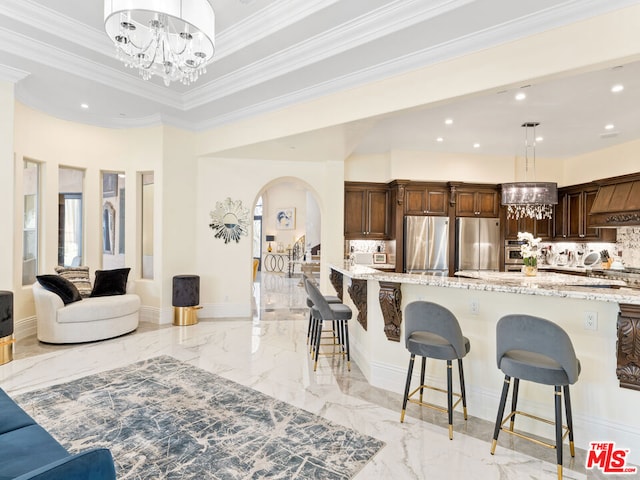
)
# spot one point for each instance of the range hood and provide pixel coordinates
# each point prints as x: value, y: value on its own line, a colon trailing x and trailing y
x: 617, y: 203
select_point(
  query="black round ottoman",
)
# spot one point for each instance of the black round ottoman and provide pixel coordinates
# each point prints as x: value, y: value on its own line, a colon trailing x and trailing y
x: 6, y: 326
x: 186, y: 296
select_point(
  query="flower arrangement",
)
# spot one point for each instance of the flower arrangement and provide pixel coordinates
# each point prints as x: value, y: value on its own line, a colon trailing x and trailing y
x: 529, y: 249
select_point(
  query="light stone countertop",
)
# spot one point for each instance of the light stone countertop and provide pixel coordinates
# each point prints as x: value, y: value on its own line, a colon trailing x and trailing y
x: 545, y: 283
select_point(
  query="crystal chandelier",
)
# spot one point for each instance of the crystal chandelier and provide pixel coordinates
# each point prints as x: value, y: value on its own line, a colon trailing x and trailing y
x: 530, y: 199
x: 173, y: 39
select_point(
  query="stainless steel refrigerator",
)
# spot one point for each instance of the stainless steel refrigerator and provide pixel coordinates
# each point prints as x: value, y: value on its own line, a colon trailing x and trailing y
x: 477, y: 243
x: 426, y: 245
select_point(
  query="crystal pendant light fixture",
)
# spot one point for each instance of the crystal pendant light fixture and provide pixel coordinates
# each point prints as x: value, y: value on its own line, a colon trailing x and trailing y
x: 173, y: 39
x: 530, y: 199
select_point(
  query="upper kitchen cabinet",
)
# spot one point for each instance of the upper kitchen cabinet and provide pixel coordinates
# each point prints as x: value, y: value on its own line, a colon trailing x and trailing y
x: 425, y: 199
x: 366, y: 210
x: 571, y: 216
x: 477, y: 202
x: 542, y: 228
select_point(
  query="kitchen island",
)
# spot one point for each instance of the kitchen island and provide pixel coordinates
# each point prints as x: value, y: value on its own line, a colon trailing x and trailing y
x: 603, y: 411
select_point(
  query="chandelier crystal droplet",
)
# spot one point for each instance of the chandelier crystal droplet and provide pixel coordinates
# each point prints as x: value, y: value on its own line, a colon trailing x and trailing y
x: 173, y: 39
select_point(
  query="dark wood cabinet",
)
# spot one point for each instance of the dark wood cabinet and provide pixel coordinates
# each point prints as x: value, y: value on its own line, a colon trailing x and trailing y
x: 426, y: 200
x: 538, y: 228
x: 482, y: 202
x: 571, y: 215
x: 366, y: 211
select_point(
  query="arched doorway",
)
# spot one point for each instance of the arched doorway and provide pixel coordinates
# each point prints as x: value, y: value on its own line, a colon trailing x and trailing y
x: 287, y: 219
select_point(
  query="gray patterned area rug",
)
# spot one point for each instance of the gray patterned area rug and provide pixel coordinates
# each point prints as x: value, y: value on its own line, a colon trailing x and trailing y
x: 165, y: 419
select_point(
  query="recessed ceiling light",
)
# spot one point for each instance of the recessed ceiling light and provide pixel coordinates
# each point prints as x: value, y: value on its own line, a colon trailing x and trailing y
x: 521, y: 96
x: 609, y: 126
x: 84, y: 105
x: 448, y: 121
x: 440, y: 139
x: 539, y: 139
x: 617, y: 88
x: 476, y: 145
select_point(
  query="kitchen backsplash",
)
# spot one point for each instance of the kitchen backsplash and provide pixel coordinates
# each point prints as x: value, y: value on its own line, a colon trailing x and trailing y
x: 629, y: 245
x: 387, y: 247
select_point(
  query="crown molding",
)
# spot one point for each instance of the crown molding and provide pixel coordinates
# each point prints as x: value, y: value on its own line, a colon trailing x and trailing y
x: 51, y: 56
x: 387, y: 19
x: 47, y: 20
x: 383, y: 21
x: 13, y: 75
x: 570, y: 11
x: 266, y: 22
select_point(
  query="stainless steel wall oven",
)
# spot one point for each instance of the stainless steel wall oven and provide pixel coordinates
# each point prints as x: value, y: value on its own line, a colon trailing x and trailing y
x: 512, y: 256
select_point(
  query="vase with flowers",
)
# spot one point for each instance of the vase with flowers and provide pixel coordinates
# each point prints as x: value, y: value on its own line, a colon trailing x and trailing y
x: 529, y: 252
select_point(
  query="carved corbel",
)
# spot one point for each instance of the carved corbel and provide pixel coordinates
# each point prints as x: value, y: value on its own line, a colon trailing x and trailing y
x: 336, y: 281
x: 628, y: 346
x: 358, y: 293
x: 390, y: 302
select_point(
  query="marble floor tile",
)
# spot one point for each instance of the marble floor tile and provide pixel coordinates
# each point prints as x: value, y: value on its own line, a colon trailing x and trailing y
x: 268, y: 353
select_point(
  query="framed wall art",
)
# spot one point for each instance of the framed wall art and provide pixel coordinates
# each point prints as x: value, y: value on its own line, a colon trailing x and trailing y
x: 286, y: 218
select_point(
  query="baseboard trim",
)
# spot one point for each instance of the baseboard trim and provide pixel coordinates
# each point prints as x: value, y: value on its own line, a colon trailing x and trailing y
x: 24, y: 328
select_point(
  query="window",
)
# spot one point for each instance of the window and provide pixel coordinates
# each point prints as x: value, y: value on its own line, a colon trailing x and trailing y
x: 113, y: 204
x: 70, y: 216
x: 147, y: 224
x: 30, y: 221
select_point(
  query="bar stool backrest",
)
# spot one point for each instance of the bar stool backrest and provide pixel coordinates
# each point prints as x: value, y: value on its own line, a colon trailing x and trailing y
x: 318, y: 300
x: 430, y: 317
x: 536, y: 335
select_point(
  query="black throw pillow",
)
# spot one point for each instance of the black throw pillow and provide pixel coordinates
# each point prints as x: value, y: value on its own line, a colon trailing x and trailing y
x: 62, y: 287
x: 110, y: 282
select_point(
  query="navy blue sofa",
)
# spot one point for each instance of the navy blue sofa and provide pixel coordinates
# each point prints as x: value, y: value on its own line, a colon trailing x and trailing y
x: 27, y: 451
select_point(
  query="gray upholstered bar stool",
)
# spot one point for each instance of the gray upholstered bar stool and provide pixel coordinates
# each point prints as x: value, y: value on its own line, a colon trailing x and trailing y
x: 323, y: 311
x: 432, y: 331
x: 311, y: 324
x: 535, y: 349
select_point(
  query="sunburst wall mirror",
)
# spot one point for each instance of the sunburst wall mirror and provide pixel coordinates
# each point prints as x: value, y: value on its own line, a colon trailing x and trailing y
x: 229, y: 220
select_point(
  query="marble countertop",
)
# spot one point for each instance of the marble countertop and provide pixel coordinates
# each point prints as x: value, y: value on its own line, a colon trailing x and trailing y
x: 564, y: 268
x: 545, y: 283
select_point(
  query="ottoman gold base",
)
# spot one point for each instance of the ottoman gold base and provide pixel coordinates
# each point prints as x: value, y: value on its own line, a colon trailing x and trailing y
x: 184, y: 316
x: 6, y: 349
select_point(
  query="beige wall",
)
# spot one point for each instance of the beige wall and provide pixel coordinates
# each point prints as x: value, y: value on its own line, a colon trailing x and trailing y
x: 54, y: 142
x: 609, y: 162
x: 7, y: 242
x: 283, y: 195
x: 226, y: 269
